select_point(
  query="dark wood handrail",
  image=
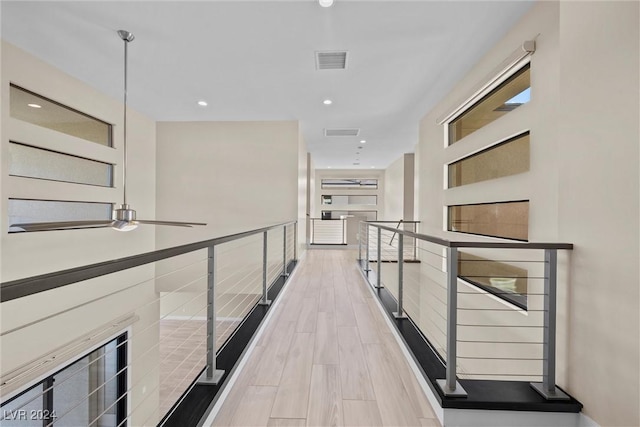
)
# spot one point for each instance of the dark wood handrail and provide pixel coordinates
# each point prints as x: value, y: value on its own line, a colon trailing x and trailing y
x: 32, y: 285
x: 486, y: 245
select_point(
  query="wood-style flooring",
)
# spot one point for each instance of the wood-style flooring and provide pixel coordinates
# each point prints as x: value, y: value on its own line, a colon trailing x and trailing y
x: 326, y: 358
x: 183, y: 349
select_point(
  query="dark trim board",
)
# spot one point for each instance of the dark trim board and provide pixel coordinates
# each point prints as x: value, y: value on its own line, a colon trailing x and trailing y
x: 193, y: 406
x: 482, y: 394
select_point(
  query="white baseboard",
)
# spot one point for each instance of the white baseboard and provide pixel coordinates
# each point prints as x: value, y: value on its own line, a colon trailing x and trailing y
x: 485, y: 418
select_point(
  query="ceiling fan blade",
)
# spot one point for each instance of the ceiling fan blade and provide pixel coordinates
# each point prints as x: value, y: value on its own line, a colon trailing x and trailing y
x: 60, y: 225
x: 174, y: 223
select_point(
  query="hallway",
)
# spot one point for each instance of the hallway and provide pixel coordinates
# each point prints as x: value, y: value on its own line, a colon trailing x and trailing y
x: 326, y: 357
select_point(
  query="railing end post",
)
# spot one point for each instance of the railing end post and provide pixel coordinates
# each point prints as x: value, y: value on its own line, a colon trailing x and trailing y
x: 213, y: 379
x: 554, y: 394
x: 457, y: 391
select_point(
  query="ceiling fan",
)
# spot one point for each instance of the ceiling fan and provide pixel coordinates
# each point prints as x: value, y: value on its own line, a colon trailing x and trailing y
x: 124, y: 218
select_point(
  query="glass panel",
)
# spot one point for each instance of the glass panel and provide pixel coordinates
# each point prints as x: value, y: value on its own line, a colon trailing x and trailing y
x: 32, y: 162
x: 508, y: 158
x: 366, y: 215
x: 506, y: 219
x: 511, y: 94
x: 23, y: 411
x: 85, y: 392
x: 350, y: 200
x: 363, y: 200
x: 27, y: 211
x: 35, y: 109
x: 350, y: 183
x: 504, y: 280
x: 82, y: 393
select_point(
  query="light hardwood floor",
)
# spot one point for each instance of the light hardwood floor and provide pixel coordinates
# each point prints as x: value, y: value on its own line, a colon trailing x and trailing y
x: 327, y: 358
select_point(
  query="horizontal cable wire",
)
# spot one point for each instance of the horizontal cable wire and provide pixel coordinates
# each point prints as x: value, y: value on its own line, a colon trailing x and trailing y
x: 93, y: 300
x: 498, y: 260
x: 500, y: 342
x: 129, y: 339
x: 485, y: 293
x: 438, y: 269
x: 502, y: 277
x: 124, y: 342
x: 227, y: 247
x: 500, y: 326
x: 510, y: 310
x: 502, y: 375
x: 431, y: 252
x: 251, y: 273
x: 428, y: 289
x: 238, y: 294
x: 130, y: 365
x: 501, y: 358
x: 80, y: 344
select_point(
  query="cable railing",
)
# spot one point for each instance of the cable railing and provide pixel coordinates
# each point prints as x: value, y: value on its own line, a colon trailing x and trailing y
x: 167, y: 314
x: 328, y: 231
x: 488, y: 309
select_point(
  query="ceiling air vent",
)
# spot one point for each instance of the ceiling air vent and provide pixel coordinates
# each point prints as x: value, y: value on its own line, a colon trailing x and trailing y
x: 331, y: 60
x: 341, y: 132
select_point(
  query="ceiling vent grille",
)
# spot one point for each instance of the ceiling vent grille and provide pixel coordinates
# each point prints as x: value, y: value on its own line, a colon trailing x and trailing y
x: 336, y: 60
x: 341, y: 132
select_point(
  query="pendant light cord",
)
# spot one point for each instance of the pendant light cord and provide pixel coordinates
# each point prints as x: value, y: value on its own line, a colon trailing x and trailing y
x: 124, y: 143
x: 127, y: 37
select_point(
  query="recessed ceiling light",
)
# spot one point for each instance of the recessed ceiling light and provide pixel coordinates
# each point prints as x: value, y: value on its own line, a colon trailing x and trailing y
x: 327, y: 102
x: 325, y: 3
x: 202, y: 103
x: 328, y: 167
x: 373, y: 167
x: 34, y: 105
x: 362, y: 141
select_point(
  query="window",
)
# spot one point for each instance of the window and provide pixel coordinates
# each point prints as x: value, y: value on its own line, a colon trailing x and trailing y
x: 507, y: 158
x: 27, y: 211
x: 349, y: 200
x: 350, y: 183
x: 89, y: 391
x: 32, y: 162
x: 364, y: 215
x: 509, y: 220
x: 510, y: 95
x: 501, y: 279
x: 35, y: 109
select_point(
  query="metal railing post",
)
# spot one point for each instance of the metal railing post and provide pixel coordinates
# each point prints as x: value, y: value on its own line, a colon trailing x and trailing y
x: 211, y: 375
x: 312, y: 234
x: 360, y: 243
x: 368, y: 267
x: 284, y: 256
x: 379, y: 249
x: 264, y: 300
x: 450, y: 386
x: 547, y: 388
x: 295, y: 241
x: 400, y: 313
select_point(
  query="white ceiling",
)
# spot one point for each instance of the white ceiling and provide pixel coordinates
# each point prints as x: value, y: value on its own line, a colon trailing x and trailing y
x: 255, y: 60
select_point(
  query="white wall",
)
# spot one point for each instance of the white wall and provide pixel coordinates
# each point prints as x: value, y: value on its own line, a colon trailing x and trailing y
x: 311, y: 195
x: 303, y: 185
x: 582, y: 185
x: 394, y: 191
x: 598, y: 153
x: 399, y: 189
x: 234, y: 176
x: 28, y: 254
